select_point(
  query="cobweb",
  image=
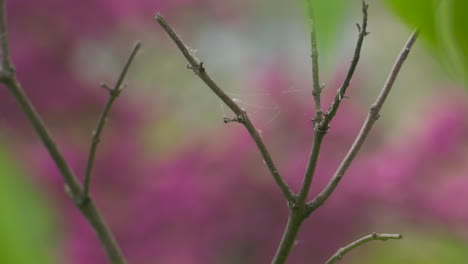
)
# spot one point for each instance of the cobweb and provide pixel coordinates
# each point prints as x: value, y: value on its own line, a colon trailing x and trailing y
x: 261, y: 106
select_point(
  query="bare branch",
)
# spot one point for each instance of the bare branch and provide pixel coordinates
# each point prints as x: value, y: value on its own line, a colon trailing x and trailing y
x: 5, y: 50
x: 373, y: 237
x: 372, y: 116
x: 295, y: 220
x: 316, y: 87
x: 8, y: 78
x: 321, y: 122
x: 340, y: 95
x: 113, y: 94
x: 311, y: 166
x: 73, y: 186
x: 241, y: 115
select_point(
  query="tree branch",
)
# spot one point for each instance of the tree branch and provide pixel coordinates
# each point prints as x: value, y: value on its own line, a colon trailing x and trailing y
x: 8, y: 78
x: 5, y: 50
x: 73, y: 186
x: 241, y: 115
x: 295, y: 220
x: 373, y: 237
x: 113, y: 94
x: 372, y: 117
x: 316, y: 87
x: 340, y: 95
x: 298, y: 212
x: 321, y: 124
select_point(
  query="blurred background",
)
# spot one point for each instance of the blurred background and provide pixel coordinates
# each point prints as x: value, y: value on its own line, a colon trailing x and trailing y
x: 177, y: 185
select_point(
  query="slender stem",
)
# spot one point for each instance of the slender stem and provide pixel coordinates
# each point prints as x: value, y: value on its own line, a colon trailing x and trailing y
x: 198, y: 67
x: 321, y: 122
x: 316, y: 87
x: 100, y: 227
x: 241, y: 115
x: 340, y: 95
x: 296, y: 217
x: 5, y: 51
x: 87, y: 208
x: 113, y: 94
x: 372, y: 237
x: 8, y: 78
x: 17, y: 92
x: 372, y: 117
x: 311, y: 166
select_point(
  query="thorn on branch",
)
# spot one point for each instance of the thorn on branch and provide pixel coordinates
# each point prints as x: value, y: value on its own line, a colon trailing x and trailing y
x: 342, y: 96
x: 201, y: 68
x: 365, y: 6
x: 105, y: 86
x: 360, y: 30
x: 238, y: 119
x: 323, y: 86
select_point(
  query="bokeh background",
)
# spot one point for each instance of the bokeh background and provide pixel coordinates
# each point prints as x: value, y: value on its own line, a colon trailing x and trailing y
x: 177, y: 185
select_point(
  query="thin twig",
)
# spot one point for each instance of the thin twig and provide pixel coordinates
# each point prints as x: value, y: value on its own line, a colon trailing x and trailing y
x: 311, y: 166
x: 241, y: 115
x: 340, y: 95
x: 113, y: 94
x: 8, y: 78
x: 316, y: 87
x: 73, y: 186
x: 372, y: 237
x: 372, y: 116
x: 298, y: 212
x: 322, y: 124
x: 5, y: 50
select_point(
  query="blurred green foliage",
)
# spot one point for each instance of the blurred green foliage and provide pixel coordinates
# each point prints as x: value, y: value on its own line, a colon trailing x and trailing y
x: 25, y: 222
x: 416, y: 248
x: 443, y: 26
x: 328, y: 16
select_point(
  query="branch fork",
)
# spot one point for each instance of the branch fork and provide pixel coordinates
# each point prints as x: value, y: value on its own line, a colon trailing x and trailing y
x: 241, y: 115
x: 300, y: 209
x: 78, y: 193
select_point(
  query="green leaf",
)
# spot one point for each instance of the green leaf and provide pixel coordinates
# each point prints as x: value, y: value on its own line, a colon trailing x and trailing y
x: 453, y: 31
x: 328, y: 16
x: 443, y: 26
x: 418, y: 13
x: 25, y: 222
